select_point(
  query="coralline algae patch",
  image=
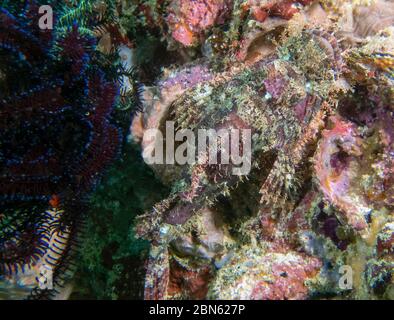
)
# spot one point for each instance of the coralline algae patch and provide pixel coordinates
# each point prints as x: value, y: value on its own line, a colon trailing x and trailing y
x: 263, y: 274
x: 188, y: 20
x: 334, y: 167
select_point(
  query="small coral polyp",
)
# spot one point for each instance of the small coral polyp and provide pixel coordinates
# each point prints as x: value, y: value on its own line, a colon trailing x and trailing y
x: 56, y: 139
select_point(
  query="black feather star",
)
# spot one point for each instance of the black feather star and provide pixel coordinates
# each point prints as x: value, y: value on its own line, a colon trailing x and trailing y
x: 56, y: 139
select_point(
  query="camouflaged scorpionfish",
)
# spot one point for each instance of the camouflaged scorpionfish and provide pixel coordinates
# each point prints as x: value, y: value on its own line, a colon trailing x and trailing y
x: 283, y: 100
